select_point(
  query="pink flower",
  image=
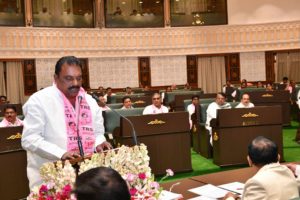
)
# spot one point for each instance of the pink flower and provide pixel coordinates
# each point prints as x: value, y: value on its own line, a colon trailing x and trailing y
x: 170, y: 172
x: 154, y: 185
x: 142, y: 176
x: 43, y: 190
x: 130, y: 177
x: 132, y: 191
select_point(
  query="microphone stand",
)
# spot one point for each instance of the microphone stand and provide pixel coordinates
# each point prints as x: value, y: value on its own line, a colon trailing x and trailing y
x: 130, y: 123
x: 79, y: 142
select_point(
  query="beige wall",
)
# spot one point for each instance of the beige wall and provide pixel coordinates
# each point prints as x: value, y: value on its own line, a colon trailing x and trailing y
x: 253, y: 66
x: 262, y: 11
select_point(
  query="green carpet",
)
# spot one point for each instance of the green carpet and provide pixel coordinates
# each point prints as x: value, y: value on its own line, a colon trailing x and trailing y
x: 201, y: 165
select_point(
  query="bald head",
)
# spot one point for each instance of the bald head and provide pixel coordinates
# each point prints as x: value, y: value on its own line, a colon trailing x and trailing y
x: 263, y: 151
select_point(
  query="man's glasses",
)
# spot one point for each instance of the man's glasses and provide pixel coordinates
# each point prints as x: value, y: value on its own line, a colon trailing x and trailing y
x: 156, y: 98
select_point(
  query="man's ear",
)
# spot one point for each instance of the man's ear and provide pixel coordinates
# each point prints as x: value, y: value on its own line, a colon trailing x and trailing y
x: 55, y: 76
x: 249, y: 161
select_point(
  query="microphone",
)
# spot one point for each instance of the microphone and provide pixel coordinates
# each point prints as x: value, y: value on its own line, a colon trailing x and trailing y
x: 79, y: 142
x: 119, y: 114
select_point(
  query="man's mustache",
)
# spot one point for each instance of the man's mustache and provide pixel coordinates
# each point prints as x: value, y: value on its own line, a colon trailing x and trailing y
x: 74, y: 87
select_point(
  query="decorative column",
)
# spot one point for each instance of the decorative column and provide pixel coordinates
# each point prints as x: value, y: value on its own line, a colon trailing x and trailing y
x: 28, y: 13
x: 167, y: 13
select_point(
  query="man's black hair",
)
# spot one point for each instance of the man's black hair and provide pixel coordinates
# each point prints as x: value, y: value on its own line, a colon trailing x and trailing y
x: 70, y: 60
x: 263, y: 151
x: 101, y: 183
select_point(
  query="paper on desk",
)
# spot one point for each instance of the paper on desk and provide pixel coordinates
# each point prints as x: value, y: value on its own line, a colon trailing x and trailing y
x: 210, y: 191
x: 202, y: 198
x: 236, y: 187
x: 166, y: 195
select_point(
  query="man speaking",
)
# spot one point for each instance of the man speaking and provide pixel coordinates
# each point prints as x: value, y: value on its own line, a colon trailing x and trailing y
x: 61, y: 121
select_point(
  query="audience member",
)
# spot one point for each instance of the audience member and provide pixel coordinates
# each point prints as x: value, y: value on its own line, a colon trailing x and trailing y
x: 156, y: 106
x: 229, y: 91
x: 259, y: 84
x: 108, y: 94
x: 118, y: 11
x: 101, y: 183
x: 269, y: 87
x: 272, y: 180
x: 245, y: 102
x: 10, y: 117
x: 187, y: 86
x: 102, y: 103
x: 174, y: 87
x: 285, y: 80
x: 192, y: 108
x: 47, y: 134
x: 3, y: 99
x: 128, y: 91
x: 211, y: 111
x: 127, y: 104
x: 101, y: 90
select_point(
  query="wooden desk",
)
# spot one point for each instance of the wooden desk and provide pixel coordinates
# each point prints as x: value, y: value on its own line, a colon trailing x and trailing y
x: 166, y: 136
x: 219, y: 178
x: 13, y: 181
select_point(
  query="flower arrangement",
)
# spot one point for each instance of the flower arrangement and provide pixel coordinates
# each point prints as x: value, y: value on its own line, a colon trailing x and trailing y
x: 131, y: 162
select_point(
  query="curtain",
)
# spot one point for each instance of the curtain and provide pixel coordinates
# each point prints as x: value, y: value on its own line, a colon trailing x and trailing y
x: 15, y: 83
x: 211, y: 74
x: 2, y: 80
x: 288, y: 64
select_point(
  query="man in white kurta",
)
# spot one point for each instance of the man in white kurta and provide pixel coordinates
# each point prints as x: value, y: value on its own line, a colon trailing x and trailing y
x: 192, y: 107
x: 45, y: 131
x: 245, y: 102
x: 211, y: 111
x: 156, y: 107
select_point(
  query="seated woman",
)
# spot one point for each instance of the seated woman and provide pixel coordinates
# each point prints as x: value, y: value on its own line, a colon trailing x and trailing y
x: 101, y: 183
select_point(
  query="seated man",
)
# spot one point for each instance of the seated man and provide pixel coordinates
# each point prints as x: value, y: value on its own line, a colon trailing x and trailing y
x: 101, y: 183
x: 229, y: 91
x: 245, y: 102
x: 128, y: 91
x: 156, y: 107
x: 102, y: 103
x: 127, y: 104
x: 108, y: 94
x: 3, y: 99
x: 272, y: 180
x: 211, y: 111
x: 192, y: 108
x: 10, y: 117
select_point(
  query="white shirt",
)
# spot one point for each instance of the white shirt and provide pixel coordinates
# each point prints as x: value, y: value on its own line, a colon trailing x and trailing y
x: 44, y: 134
x: 191, y: 110
x: 150, y: 110
x: 241, y: 105
x: 211, y: 113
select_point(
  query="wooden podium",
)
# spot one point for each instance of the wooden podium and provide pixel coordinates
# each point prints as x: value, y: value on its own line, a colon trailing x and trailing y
x: 234, y: 129
x: 166, y: 136
x: 13, y: 181
x: 271, y: 98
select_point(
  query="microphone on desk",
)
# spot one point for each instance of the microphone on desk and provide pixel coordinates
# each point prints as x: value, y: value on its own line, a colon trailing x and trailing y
x: 79, y: 142
x: 128, y: 120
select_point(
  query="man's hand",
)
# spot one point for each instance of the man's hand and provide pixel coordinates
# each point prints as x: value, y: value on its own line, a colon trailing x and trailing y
x: 103, y: 146
x: 69, y: 156
x: 230, y: 196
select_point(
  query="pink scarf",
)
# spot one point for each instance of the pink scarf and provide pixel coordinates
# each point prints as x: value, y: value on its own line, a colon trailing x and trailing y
x: 85, y: 126
x: 5, y: 123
